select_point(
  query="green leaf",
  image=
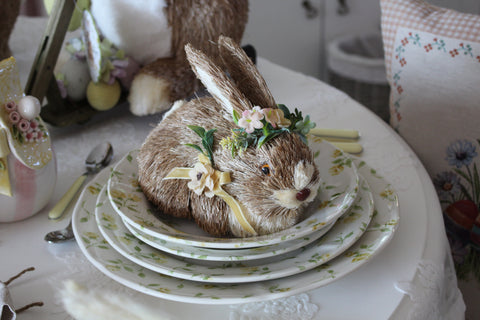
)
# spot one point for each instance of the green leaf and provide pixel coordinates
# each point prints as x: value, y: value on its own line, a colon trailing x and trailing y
x: 272, y: 135
x: 285, y: 110
x: 208, y: 148
x: 209, y: 138
x: 466, y: 193
x: 463, y: 175
x: 120, y: 54
x: 198, y: 130
x: 261, y: 141
x: 476, y: 183
x: 235, y: 116
x: 194, y: 146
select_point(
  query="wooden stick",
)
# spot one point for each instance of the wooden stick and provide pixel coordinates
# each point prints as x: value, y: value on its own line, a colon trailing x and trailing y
x: 18, y: 275
x: 42, y: 69
x: 28, y: 306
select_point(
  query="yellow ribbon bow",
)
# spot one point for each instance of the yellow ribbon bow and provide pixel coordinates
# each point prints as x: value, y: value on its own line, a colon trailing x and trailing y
x: 213, y: 183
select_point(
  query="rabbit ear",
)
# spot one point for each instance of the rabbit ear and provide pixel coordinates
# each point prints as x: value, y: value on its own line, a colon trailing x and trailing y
x: 216, y: 82
x: 245, y: 74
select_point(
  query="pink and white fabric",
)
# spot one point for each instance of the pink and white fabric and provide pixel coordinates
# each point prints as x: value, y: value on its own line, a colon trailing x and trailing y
x: 432, y: 58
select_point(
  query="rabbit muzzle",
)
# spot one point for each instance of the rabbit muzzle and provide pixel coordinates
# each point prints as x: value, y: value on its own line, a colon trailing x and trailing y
x: 293, y: 198
x: 305, y: 187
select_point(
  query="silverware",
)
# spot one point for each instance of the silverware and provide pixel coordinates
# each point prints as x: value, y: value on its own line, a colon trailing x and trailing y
x: 97, y: 159
x: 60, y: 235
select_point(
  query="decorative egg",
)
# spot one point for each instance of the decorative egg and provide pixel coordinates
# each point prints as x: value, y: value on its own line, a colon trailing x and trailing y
x: 77, y: 77
x: 29, y: 107
x: 102, y: 96
x: 463, y: 213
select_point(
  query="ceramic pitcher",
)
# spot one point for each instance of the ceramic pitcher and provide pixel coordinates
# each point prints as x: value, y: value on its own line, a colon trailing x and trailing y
x: 27, y: 161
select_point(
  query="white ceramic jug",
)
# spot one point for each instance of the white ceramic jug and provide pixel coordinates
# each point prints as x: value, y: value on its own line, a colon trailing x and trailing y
x: 27, y: 161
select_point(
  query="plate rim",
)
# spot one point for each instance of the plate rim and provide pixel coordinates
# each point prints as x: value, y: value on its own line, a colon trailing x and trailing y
x: 313, y: 253
x: 265, y: 253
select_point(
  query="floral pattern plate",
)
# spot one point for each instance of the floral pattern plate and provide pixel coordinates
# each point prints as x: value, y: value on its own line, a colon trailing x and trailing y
x: 344, y: 233
x: 212, y: 254
x: 338, y: 190
x: 114, y: 265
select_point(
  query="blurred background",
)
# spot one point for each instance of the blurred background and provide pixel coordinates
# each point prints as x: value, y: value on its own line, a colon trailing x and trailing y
x: 337, y: 41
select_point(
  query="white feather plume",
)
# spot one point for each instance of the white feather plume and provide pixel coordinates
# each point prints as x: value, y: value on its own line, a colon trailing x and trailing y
x: 84, y: 304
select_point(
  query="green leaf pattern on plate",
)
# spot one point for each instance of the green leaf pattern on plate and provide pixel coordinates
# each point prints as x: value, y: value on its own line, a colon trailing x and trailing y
x: 344, y: 232
x: 101, y: 254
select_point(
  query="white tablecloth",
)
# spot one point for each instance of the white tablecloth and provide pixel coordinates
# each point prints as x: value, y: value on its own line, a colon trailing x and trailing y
x: 412, y: 278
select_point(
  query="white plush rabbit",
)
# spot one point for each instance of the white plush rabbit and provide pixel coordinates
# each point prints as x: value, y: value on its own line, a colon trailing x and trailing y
x: 154, y: 33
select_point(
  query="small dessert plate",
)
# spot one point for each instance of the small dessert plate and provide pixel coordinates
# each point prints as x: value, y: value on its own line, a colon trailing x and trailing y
x: 337, y: 193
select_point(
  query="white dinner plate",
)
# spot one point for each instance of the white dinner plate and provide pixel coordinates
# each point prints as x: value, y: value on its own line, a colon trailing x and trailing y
x: 213, y: 254
x: 99, y: 252
x: 344, y: 233
x: 338, y: 190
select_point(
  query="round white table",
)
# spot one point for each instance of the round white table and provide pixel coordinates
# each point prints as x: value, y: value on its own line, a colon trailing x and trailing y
x: 416, y: 261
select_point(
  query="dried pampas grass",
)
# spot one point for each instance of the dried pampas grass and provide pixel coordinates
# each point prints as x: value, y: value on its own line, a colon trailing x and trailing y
x: 84, y: 304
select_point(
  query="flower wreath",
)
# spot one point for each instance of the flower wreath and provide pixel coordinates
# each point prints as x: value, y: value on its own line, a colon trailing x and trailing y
x: 257, y: 126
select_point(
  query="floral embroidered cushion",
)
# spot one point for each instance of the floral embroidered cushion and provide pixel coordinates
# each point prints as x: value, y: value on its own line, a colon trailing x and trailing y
x: 432, y: 58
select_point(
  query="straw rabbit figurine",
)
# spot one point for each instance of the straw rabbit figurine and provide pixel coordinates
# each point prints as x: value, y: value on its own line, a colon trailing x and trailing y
x: 271, y: 180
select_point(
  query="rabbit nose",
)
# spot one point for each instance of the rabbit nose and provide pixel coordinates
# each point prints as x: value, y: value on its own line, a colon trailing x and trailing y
x: 303, y: 194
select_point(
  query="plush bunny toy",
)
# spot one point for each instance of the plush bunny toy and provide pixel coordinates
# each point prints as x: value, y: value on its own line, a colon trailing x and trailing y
x: 254, y: 173
x: 154, y: 33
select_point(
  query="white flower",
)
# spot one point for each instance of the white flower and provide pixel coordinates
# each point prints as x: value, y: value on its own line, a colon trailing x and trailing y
x: 251, y: 120
x: 203, y: 177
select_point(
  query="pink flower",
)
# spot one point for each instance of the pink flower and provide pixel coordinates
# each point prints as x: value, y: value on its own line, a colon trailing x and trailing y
x: 33, y: 125
x: 275, y: 117
x: 23, y: 125
x: 39, y: 135
x: 125, y: 70
x: 251, y: 120
x: 30, y: 136
x: 14, y: 117
x: 62, y: 88
x: 11, y: 106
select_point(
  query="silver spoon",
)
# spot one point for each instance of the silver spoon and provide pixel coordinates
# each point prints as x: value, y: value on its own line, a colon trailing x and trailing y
x: 60, y: 235
x: 98, y: 159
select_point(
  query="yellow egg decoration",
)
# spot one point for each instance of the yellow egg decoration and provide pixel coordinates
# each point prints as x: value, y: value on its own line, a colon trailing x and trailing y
x: 102, y: 96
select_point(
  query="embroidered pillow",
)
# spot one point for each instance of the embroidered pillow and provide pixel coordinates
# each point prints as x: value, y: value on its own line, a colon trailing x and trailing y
x: 432, y: 58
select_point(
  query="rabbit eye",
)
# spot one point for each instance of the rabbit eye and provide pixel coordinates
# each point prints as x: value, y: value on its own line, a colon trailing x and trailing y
x: 265, y: 169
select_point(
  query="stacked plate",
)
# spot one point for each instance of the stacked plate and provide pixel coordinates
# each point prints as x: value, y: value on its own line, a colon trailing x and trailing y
x: 118, y: 230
